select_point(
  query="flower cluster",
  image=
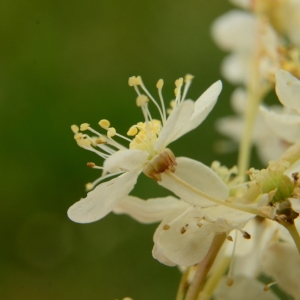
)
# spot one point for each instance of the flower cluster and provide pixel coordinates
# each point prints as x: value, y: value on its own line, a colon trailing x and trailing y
x: 223, y: 227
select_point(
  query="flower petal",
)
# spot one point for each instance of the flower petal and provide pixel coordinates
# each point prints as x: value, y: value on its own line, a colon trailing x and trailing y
x: 234, y: 30
x: 186, y: 241
x: 243, y: 288
x: 199, y: 176
x: 103, y: 198
x: 125, y: 160
x: 285, y: 126
x: 282, y: 262
x: 288, y: 89
x: 188, y: 115
x: 177, y: 119
x: 146, y: 211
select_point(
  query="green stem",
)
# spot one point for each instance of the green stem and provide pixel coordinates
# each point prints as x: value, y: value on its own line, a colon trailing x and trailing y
x: 248, y: 209
x: 213, y: 280
x: 204, y: 267
x: 183, y: 285
x: 293, y: 232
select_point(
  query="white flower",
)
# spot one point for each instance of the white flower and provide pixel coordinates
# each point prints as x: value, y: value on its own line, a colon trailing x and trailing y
x: 148, y: 152
x: 286, y: 123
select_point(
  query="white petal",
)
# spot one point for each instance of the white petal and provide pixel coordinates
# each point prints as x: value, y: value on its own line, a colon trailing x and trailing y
x: 157, y: 253
x: 228, y: 218
x: 282, y: 262
x: 147, y: 211
x: 175, y: 122
x: 199, y: 176
x: 103, y: 198
x: 233, y: 68
x: 125, y: 160
x: 234, y: 30
x: 295, y: 204
x: 203, y: 106
x: 286, y: 126
x: 188, y: 115
x: 288, y: 89
x: 187, y: 241
x: 243, y: 288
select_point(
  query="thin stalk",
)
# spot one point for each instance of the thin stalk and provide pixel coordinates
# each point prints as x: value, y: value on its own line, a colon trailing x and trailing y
x: 250, y: 210
x: 204, y: 267
x: 293, y: 232
x: 213, y: 280
x: 183, y: 285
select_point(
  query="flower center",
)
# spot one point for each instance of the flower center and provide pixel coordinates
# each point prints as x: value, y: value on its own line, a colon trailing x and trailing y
x: 146, y: 135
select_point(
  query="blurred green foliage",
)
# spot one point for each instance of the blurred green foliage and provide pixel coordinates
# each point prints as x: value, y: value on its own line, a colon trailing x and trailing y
x: 66, y: 62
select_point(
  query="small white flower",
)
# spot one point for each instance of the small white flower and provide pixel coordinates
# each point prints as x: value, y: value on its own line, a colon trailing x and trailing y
x: 148, y: 152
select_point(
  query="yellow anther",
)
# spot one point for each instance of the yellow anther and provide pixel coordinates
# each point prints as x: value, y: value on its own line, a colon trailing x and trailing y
x: 89, y: 186
x: 90, y: 164
x: 176, y: 91
x: 78, y: 136
x: 132, y: 131
x: 111, y: 132
x: 230, y: 281
x: 179, y: 82
x: 84, y: 126
x: 160, y: 84
x: 172, y: 103
x: 84, y: 142
x: 134, y: 80
x: 101, y: 140
x: 75, y: 128
x: 188, y: 77
x: 104, y: 123
x: 141, y: 99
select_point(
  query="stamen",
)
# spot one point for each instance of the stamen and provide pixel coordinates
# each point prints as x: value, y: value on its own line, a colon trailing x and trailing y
x: 230, y: 271
x: 132, y: 131
x: 75, y: 128
x: 134, y: 80
x: 159, y: 86
x: 246, y: 235
x: 188, y: 81
x: 104, y: 123
x: 141, y: 100
x: 84, y: 126
x: 94, y: 166
x: 89, y: 186
x: 162, y: 116
x: 111, y: 132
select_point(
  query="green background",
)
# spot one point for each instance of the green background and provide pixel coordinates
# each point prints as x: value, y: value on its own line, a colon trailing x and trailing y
x: 65, y: 62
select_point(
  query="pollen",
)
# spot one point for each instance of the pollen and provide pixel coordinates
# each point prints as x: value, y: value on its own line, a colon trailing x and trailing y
x: 75, y: 128
x: 141, y: 100
x: 166, y: 227
x: 84, y: 126
x: 84, y: 143
x: 111, y: 132
x: 132, y: 131
x: 188, y: 78
x: 89, y: 186
x: 134, y: 80
x: 160, y: 84
x: 104, y: 123
x: 91, y: 164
